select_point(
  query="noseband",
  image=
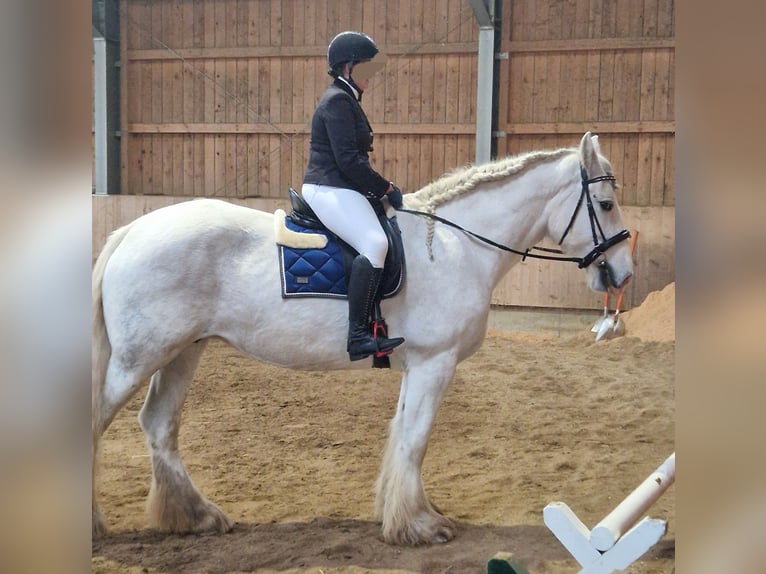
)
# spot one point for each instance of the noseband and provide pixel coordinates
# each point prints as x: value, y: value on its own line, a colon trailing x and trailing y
x: 598, y: 248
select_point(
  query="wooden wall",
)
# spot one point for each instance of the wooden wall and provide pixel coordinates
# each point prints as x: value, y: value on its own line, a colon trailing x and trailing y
x: 218, y: 96
x: 605, y: 66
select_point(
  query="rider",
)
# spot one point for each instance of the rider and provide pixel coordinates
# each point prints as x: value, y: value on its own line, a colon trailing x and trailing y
x: 340, y: 184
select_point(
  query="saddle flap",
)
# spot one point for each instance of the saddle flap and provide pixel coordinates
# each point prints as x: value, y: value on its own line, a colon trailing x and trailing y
x: 301, y: 213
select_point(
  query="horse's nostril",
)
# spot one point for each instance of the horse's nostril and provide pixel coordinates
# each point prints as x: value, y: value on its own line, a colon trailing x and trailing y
x: 626, y: 280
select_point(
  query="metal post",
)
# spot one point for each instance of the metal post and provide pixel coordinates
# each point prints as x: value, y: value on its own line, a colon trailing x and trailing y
x: 484, y: 12
x: 106, y: 95
x: 99, y: 115
x: 484, y: 94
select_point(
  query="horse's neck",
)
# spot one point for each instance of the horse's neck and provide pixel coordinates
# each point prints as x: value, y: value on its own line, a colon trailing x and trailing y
x: 511, y: 212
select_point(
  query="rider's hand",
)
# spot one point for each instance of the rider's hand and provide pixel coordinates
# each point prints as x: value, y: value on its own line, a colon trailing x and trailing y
x: 394, y: 197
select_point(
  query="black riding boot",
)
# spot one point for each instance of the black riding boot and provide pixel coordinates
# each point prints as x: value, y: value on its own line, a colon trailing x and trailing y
x: 362, y: 286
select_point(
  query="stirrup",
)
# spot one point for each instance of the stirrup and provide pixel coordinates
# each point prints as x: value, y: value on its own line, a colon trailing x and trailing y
x: 369, y: 345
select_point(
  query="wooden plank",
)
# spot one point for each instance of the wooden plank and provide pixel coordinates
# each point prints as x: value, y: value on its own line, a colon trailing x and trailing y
x: 312, y: 16
x: 632, y: 86
x: 288, y: 128
x: 454, y: 19
x: 663, y: 78
x: 579, y: 16
x: 425, y: 165
x: 644, y: 175
x: 153, y: 183
x: 428, y: 63
x: 553, y: 87
x: 275, y: 27
x: 453, y: 87
x: 657, y: 184
x: 186, y: 183
x: 669, y: 199
x: 199, y: 165
x: 402, y: 91
x: 589, y: 45
x: 466, y: 150
x: 415, y: 97
x: 609, y: 19
x: 134, y: 171
x: 264, y: 163
x: 606, y: 90
x: 539, y: 30
x: 379, y: 29
x: 649, y: 23
x: 170, y: 168
x: 132, y: 17
x: 629, y: 176
x: 438, y: 143
x: 523, y: 100
x: 665, y: 18
x: 646, y: 111
x: 621, y: 88
x: 450, y: 153
x: 671, y: 85
x: 596, y: 127
x: 594, y: 21
x: 538, y: 89
x: 215, y: 53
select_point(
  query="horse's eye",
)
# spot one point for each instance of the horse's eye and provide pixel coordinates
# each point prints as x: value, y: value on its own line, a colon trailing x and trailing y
x: 606, y: 205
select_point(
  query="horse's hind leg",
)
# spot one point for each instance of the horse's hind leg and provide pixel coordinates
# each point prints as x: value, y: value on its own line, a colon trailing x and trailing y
x: 120, y: 383
x: 407, y: 515
x: 174, y: 503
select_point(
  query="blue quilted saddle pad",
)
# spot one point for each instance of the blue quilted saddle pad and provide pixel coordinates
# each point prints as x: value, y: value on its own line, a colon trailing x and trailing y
x: 312, y: 272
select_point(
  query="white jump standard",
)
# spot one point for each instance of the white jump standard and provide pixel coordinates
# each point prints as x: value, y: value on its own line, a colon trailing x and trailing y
x: 613, y: 545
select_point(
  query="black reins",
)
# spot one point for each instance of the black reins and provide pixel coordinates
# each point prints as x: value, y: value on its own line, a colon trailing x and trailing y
x: 582, y: 262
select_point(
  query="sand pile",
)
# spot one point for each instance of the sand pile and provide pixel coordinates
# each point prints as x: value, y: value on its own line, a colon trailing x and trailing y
x: 655, y: 318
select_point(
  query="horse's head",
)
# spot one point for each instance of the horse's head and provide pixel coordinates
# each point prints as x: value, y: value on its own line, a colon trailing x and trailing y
x: 588, y: 222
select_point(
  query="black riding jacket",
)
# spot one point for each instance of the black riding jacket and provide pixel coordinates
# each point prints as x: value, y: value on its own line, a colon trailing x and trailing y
x: 341, y: 139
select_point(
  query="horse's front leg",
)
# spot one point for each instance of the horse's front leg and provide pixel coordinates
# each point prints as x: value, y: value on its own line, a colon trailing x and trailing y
x: 401, y: 504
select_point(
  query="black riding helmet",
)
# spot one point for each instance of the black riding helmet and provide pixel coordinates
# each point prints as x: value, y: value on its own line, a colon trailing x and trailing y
x: 351, y: 47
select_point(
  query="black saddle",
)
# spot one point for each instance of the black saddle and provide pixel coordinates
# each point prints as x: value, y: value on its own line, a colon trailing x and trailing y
x: 394, y: 270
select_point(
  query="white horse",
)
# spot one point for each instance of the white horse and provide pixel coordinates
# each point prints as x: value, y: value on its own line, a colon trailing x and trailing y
x: 172, y: 279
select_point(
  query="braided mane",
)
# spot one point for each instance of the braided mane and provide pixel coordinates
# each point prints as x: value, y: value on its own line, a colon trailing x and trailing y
x: 464, y: 180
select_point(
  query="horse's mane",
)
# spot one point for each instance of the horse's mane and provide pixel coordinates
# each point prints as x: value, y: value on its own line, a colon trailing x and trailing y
x: 464, y: 180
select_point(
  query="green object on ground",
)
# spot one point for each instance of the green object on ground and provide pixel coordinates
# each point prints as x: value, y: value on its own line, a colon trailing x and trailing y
x: 505, y: 563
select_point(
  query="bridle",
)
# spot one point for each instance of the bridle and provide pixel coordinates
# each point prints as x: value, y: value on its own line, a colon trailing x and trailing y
x: 582, y: 262
x: 598, y: 248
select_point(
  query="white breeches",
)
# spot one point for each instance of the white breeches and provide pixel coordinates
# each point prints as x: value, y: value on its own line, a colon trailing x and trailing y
x: 349, y: 215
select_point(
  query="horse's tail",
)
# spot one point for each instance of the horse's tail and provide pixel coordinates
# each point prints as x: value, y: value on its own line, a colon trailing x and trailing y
x: 101, y: 351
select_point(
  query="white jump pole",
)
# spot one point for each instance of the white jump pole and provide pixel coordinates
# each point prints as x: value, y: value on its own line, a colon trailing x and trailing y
x: 607, y: 532
x: 615, y: 542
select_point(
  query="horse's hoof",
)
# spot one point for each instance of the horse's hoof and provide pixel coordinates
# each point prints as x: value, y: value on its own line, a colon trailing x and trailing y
x: 443, y: 536
x: 201, y: 517
x: 444, y: 533
x: 214, y: 521
x: 428, y: 529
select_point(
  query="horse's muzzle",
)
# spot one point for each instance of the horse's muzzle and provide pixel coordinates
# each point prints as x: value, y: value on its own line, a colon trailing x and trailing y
x: 609, y: 279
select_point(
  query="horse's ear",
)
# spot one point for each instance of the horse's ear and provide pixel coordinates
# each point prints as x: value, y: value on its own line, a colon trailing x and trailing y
x: 588, y: 152
x: 596, y: 146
